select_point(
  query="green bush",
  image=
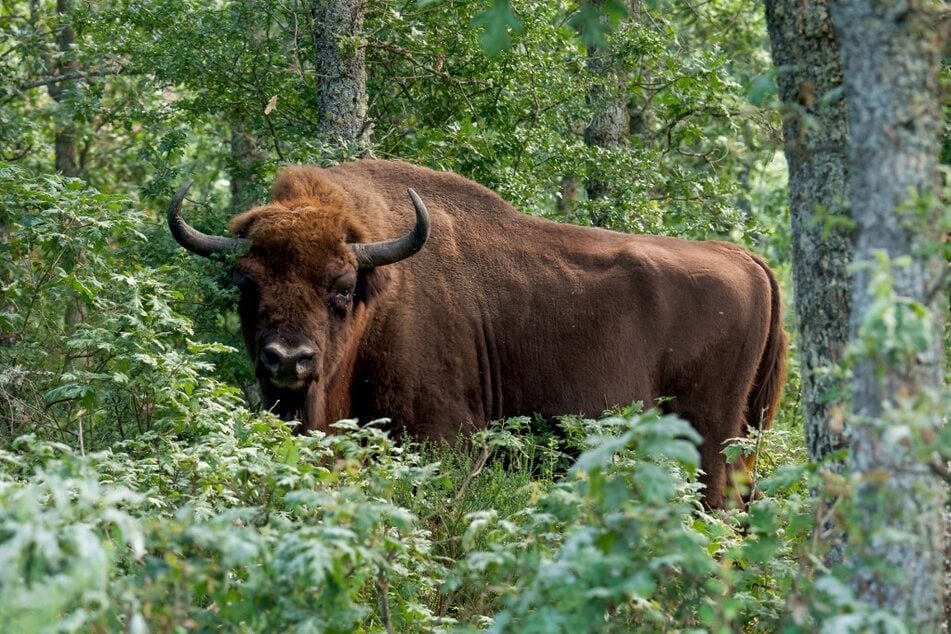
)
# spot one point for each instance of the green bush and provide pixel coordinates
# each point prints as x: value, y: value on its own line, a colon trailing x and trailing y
x: 93, y: 346
x: 241, y: 525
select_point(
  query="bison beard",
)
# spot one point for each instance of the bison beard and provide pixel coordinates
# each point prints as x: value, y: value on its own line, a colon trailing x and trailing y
x: 499, y: 314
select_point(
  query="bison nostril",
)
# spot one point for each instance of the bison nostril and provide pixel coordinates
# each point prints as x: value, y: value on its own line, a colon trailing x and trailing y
x: 281, y: 362
x: 305, y: 365
x: 272, y: 356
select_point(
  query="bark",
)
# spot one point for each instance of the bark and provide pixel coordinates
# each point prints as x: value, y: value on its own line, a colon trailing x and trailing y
x: 245, y: 156
x: 65, y: 143
x: 341, y: 71
x: 641, y: 115
x: 610, y: 126
x: 815, y: 131
x: 568, y: 195
x: 890, y: 55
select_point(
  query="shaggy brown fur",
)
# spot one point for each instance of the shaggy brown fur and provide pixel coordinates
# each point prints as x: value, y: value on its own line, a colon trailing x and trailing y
x: 502, y: 314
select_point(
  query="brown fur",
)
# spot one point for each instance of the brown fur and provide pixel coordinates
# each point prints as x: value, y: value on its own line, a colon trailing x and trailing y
x: 502, y: 314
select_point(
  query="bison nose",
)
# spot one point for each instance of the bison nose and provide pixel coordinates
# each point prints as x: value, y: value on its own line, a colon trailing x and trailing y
x: 286, y: 362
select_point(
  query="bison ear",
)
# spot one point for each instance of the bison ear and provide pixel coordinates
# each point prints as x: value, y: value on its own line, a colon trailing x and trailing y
x: 371, y: 283
x: 241, y: 225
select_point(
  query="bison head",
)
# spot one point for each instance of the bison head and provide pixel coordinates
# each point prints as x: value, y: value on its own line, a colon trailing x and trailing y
x: 306, y: 276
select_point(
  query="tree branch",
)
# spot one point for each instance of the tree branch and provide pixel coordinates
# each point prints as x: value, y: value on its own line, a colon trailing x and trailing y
x: 47, y: 81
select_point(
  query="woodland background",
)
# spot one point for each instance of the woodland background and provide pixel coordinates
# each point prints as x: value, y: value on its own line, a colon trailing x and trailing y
x: 142, y: 490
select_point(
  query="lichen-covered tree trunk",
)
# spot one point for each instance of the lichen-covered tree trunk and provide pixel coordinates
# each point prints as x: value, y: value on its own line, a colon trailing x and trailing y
x: 890, y: 55
x: 815, y: 131
x: 610, y: 126
x: 341, y: 71
x: 245, y: 157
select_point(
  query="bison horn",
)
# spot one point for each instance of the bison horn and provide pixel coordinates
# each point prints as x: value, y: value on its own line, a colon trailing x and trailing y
x: 192, y: 239
x: 375, y: 254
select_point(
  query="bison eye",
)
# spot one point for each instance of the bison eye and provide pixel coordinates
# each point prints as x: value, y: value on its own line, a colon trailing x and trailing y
x: 340, y: 301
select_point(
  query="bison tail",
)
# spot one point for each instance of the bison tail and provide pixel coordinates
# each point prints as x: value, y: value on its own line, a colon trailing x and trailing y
x: 771, y: 375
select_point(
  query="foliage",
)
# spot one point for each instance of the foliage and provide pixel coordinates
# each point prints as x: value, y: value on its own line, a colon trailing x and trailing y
x: 137, y: 493
x: 92, y: 350
x: 205, y: 525
x: 515, y: 121
x: 137, y: 489
x: 223, y: 520
x: 170, y: 86
x: 623, y: 543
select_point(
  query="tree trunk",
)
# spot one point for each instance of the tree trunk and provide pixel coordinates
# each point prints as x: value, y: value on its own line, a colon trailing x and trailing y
x: 641, y: 115
x: 66, y: 158
x: 67, y: 155
x: 890, y: 55
x: 567, y: 195
x: 341, y: 72
x: 245, y: 156
x: 815, y: 131
x: 610, y: 126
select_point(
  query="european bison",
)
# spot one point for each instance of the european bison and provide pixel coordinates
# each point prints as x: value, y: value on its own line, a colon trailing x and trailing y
x: 497, y: 314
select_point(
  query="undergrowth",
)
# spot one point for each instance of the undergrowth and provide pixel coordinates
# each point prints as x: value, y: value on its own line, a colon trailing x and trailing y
x: 242, y: 525
x: 137, y: 492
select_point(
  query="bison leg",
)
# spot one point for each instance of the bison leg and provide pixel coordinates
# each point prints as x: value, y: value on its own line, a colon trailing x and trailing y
x: 716, y: 425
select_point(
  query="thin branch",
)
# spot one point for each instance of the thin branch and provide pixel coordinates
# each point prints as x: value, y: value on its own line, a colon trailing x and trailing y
x: 274, y: 138
x: 754, y: 475
x: 432, y: 70
x: 939, y: 285
x: 48, y: 81
x: 10, y: 158
x: 473, y: 474
x: 940, y: 469
x: 383, y: 588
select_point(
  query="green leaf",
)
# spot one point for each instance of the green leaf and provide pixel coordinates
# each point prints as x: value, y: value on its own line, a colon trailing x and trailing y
x: 496, y: 23
x: 594, y: 23
x: 783, y: 478
x: 289, y: 452
x: 603, y: 452
x: 69, y: 392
